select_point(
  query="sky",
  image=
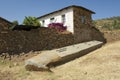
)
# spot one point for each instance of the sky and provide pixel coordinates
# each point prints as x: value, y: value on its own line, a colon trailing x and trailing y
x: 18, y: 9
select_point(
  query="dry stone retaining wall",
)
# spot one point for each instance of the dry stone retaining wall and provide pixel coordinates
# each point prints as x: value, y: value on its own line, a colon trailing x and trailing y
x: 15, y: 42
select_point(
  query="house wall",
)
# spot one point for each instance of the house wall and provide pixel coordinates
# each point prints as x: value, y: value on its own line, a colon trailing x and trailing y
x: 80, y: 27
x: 4, y: 24
x: 57, y: 18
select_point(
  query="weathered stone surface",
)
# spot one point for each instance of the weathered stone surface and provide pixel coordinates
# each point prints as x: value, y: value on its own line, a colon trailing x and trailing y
x: 40, y: 61
x: 15, y: 42
x: 47, y: 58
x: 85, y: 31
x: 4, y: 24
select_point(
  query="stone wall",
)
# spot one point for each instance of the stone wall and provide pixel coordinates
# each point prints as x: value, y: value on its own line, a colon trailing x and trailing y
x: 85, y: 31
x: 78, y: 13
x: 15, y: 42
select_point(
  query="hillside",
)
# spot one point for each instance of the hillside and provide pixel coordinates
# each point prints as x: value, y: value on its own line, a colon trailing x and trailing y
x: 110, y: 27
x: 112, y: 23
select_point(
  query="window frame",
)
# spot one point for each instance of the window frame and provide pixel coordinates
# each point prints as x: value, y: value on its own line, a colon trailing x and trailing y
x: 83, y: 19
x: 43, y: 22
x: 52, y: 20
x: 63, y: 18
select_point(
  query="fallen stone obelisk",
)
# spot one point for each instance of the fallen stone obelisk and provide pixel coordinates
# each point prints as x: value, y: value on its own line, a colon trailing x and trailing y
x: 46, y: 58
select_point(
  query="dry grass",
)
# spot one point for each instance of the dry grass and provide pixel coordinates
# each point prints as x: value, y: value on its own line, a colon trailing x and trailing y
x: 102, y: 64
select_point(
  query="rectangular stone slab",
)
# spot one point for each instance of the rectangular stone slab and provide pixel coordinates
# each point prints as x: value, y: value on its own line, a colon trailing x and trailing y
x: 42, y: 60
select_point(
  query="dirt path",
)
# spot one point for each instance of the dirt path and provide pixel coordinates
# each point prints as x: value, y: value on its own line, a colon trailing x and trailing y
x: 102, y: 64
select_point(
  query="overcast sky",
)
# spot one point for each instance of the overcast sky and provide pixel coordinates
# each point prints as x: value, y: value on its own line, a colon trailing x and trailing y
x: 18, y: 9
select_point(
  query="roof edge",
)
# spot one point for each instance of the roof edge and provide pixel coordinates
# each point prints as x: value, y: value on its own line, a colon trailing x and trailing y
x: 83, y: 8
x: 5, y: 20
x: 72, y: 6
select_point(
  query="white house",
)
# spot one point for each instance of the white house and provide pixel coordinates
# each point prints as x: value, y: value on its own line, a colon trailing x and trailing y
x: 68, y: 16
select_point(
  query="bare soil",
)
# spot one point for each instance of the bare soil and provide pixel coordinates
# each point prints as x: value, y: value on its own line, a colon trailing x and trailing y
x: 6, y: 75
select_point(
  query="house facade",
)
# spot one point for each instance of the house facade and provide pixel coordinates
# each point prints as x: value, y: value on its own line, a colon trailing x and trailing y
x: 71, y: 16
x: 4, y: 24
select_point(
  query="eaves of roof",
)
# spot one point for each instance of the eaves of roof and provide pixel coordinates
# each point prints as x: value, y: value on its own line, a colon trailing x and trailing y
x: 73, y: 6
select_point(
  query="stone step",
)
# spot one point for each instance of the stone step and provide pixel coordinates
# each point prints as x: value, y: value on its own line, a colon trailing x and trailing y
x: 58, y: 56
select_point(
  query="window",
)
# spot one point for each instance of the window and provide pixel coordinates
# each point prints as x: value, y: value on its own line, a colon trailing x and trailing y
x: 43, y: 23
x: 51, y: 20
x: 83, y: 19
x: 63, y: 19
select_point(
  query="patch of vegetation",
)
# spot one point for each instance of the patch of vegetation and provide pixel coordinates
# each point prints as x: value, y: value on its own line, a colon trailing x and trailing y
x: 28, y: 24
x: 14, y: 23
x: 57, y: 26
x: 112, y: 23
x: 31, y: 21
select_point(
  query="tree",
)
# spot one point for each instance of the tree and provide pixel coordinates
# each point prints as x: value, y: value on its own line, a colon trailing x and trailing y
x: 31, y: 21
x: 15, y: 22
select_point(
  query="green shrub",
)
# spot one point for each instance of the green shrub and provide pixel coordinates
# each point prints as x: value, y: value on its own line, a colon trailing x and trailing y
x: 31, y: 21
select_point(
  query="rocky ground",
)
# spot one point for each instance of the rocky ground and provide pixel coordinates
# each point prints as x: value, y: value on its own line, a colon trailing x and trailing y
x: 102, y: 64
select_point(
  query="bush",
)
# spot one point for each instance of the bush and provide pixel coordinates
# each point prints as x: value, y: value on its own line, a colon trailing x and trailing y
x: 31, y: 21
x: 58, y: 26
x: 14, y: 23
